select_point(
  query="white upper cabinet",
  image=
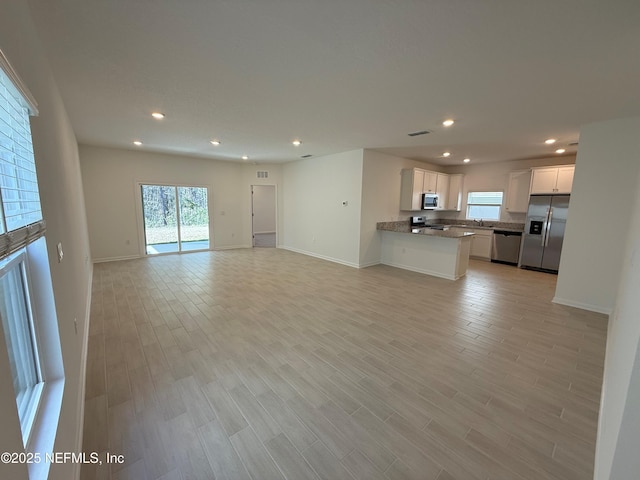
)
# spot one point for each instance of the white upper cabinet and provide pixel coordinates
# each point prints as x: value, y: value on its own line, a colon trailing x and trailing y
x: 552, y: 180
x: 442, y: 189
x: 454, y: 198
x: 411, y: 189
x: 565, y: 179
x: 416, y: 182
x: 430, y: 182
x: 518, y: 191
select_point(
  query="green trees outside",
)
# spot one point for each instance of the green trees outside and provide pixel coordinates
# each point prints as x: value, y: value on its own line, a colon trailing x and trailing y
x: 161, y: 214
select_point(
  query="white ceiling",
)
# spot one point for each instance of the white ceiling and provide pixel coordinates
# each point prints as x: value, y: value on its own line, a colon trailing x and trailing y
x: 342, y: 74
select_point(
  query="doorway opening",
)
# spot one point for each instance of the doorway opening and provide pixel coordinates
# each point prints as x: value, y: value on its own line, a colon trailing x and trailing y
x: 175, y: 218
x: 263, y: 214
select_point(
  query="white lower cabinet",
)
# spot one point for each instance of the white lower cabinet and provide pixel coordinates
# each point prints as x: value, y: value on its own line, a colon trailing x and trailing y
x: 481, y: 244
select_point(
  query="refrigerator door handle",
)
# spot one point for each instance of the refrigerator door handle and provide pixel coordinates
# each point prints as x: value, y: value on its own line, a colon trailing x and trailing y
x: 545, y: 226
x: 547, y: 235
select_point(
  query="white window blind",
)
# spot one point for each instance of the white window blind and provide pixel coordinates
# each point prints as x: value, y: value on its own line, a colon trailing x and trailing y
x: 20, y: 213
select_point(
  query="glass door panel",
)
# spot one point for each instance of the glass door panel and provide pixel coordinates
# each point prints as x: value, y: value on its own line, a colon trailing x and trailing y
x: 160, y: 219
x: 194, y: 218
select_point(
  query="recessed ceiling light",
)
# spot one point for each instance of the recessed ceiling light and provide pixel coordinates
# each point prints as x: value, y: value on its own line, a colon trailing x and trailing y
x: 245, y: 157
x: 466, y: 160
x: 560, y: 150
x: 446, y: 154
x: 215, y: 142
x: 550, y: 141
x: 448, y: 122
x: 137, y: 143
x: 297, y: 143
x: 157, y: 115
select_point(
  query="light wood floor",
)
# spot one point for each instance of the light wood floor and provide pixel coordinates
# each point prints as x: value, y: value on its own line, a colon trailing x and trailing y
x: 266, y: 364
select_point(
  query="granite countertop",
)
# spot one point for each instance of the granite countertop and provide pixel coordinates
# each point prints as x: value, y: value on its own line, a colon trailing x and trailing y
x: 403, y: 227
x: 490, y: 225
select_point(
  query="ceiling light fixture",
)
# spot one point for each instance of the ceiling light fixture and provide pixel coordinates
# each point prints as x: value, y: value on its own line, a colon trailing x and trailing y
x: 245, y: 157
x: 466, y: 160
x: 448, y: 122
x: 560, y: 150
x: 446, y: 154
x: 137, y: 143
x: 215, y: 142
x: 297, y: 143
x: 157, y: 115
x: 550, y: 141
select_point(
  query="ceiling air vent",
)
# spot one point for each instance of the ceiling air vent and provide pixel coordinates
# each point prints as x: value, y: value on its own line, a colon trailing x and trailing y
x: 573, y: 144
x: 415, y: 134
x: 305, y: 156
x: 262, y: 174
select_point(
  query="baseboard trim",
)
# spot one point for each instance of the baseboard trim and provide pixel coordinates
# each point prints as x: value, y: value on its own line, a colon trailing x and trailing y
x: 582, y: 306
x: 370, y: 264
x: 231, y: 247
x: 321, y: 257
x: 83, y: 376
x: 115, y: 259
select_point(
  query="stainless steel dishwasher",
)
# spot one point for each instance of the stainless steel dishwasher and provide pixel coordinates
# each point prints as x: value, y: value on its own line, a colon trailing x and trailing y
x: 505, y: 247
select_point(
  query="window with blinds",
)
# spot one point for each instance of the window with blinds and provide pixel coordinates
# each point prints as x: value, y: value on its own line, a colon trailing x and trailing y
x: 21, y: 226
x: 20, y: 213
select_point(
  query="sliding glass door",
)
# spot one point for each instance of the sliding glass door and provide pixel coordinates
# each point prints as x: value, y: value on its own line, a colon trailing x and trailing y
x: 176, y: 219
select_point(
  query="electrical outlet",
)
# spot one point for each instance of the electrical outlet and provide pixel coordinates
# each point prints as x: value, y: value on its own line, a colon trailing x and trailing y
x: 60, y: 252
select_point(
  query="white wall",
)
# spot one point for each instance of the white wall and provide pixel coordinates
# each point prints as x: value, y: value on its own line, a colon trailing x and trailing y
x: 110, y: 178
x: 314, y: 219
x: 381, y: 176
x: 494, y: 177
x: 61, y: 195
x: 601, y: 201
x: 610, y: 262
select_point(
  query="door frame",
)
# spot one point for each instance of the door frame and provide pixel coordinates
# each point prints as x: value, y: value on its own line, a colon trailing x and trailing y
x: 142, y: 250
x: 275, y: 206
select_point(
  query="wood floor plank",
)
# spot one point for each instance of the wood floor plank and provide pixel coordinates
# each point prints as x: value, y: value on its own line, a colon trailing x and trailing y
x: 224, y: 460
x: 325, y: 464
x: 292, y: 464
x: 264, y: 363
x: 299, y: 435
x: 254, y: 456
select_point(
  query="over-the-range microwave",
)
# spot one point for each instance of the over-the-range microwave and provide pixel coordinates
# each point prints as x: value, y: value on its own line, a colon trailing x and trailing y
x: 430, y: 201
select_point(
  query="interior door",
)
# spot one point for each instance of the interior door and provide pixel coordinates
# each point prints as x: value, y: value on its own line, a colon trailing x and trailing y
x: 263, y: 204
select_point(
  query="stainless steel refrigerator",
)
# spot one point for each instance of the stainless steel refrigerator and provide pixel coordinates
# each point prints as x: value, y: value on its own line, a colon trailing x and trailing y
x: 544, y: 232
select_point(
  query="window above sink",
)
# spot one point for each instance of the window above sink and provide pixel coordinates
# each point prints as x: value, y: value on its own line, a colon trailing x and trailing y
x: 484, y: 205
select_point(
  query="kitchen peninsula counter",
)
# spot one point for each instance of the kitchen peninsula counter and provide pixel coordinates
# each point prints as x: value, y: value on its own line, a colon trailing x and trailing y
x: 441, y: 253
